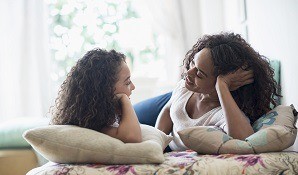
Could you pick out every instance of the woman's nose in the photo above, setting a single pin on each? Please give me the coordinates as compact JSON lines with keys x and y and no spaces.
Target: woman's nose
{"x":191,"y":71}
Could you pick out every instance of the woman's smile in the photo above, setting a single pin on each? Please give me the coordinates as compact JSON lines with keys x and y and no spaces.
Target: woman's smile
{"x":188,"y":82}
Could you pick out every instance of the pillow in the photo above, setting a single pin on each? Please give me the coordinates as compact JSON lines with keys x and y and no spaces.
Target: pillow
{"x":11,"y":131}
{"x":73,"y":144}
{"x":151,"y":133}
{"x":274,"y":131}
{"x":212,"y":140}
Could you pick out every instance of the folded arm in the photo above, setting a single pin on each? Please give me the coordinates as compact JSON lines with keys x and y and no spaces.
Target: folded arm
{"x":129,"y":130}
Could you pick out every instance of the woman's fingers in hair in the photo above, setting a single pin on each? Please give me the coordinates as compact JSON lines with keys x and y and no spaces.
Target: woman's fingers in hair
{"x":242,"y":82}
{"x":244,"y":74}
{"x":246,"y":77}
{"x":239,"y":78}
{"x":241,"y":72}
{"x":248,"y":81}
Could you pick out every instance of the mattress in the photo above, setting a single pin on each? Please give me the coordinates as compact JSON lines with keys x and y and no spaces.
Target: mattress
{"x":187,"y":162}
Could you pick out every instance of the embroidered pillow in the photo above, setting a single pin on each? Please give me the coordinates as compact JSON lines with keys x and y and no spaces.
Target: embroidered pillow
{"x":274,"y":131}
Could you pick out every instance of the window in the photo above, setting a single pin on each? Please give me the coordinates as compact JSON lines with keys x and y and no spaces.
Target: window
{"x":78,"y":26}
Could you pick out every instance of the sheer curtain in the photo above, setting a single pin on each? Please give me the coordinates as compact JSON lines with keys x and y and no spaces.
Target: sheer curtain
{"x":179,"y":22}
{"x":24,"y":59}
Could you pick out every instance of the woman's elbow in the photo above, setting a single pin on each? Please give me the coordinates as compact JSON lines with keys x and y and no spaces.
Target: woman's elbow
{"x":242,"y":136}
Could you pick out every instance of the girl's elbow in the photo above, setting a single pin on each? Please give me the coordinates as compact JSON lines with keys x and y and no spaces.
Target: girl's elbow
{"x":133,"y":138}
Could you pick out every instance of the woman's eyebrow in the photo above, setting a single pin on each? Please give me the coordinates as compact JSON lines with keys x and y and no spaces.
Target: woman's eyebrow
{"x":202,"y":72}
{"x":193,"y":62}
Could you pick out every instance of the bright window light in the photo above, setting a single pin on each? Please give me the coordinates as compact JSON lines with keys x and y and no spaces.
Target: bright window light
{"x":78,"y":26}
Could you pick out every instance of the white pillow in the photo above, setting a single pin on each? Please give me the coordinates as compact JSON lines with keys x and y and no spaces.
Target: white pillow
{"x":151,"y":133}
{"x":73,"y":144}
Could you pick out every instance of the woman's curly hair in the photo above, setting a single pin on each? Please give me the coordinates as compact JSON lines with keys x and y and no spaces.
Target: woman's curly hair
{"x":230,"y":52}
{"x":86,"y":97}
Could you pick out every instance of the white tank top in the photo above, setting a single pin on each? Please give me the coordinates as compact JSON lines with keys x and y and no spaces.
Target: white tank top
{"x":181,"y":120}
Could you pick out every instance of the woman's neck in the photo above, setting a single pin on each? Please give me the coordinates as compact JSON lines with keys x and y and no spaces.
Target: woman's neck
{"x":209,"y":99}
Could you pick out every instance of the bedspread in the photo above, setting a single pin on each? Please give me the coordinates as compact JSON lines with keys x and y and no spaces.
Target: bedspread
{"x":187,"y":162}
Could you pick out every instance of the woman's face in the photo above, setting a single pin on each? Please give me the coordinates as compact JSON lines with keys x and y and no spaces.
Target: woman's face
{"x":124,"y":84}
{"x":200,"y":76}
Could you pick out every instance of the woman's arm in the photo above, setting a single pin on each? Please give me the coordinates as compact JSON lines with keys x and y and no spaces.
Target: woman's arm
{"x":238,"y":125}
{"x":129,"y":130}
{"x":164,"y":122}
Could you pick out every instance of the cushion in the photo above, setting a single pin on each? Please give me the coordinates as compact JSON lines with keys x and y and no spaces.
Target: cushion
{"x":148,"y":110}
{"x":11,"y":131}
{"x":73,"y":144}
{"x":274,"y":131}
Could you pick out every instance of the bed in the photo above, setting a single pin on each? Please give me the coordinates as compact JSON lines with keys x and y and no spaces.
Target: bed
{"x":187,"y":162}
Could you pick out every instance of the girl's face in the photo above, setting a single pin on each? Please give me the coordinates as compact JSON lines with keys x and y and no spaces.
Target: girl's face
{"x":124,"y":84}
{"x":200,"y":76}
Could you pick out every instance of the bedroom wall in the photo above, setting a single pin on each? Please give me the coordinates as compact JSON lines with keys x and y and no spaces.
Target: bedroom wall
{"x":273,"y":29}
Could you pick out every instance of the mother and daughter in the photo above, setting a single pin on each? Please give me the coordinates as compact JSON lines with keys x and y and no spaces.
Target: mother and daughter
{"x":226,"y":84}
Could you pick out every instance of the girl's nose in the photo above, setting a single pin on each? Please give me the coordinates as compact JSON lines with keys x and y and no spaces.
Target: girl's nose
{"x":133,"y":86}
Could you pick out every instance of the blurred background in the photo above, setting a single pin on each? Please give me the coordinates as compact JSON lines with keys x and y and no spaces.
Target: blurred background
{"x":41,"y":40}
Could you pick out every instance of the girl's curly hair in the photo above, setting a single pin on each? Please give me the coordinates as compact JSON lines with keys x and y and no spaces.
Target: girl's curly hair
{"x":230,"y":52}
{"x":86,"y":97}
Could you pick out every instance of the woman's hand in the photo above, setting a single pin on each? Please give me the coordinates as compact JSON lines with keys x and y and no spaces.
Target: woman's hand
{"x":236,"y":79}
{"x":237,"y":123}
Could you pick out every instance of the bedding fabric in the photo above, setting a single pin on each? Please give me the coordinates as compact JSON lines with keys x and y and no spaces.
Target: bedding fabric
{"x":187,"y":162}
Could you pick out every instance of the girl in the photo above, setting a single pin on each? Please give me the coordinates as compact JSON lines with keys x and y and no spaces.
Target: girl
{"x":95,"y":95}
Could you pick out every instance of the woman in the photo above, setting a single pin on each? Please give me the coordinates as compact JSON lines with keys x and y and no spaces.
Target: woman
{"x":227,"y":84}
{"x":95,"y":95}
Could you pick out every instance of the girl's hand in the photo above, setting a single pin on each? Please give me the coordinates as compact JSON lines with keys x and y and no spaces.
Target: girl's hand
{"x":129,"y":130}
{"x":236,"y":79}
{"x":121,"y":96}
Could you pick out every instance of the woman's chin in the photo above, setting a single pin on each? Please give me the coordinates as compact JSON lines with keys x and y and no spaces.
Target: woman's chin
{"x":188,"y":87}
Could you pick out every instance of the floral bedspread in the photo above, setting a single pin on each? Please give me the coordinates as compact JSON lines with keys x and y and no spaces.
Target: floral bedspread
{"x":187,"y":162}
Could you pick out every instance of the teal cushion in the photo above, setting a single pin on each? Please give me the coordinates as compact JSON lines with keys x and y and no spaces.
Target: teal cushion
{"x":275,"y":64}
{"x":11,"y":131}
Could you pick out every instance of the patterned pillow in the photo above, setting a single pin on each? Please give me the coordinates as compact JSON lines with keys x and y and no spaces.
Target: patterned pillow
{"x":274,"y":131}
{"x":73,"y":144}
